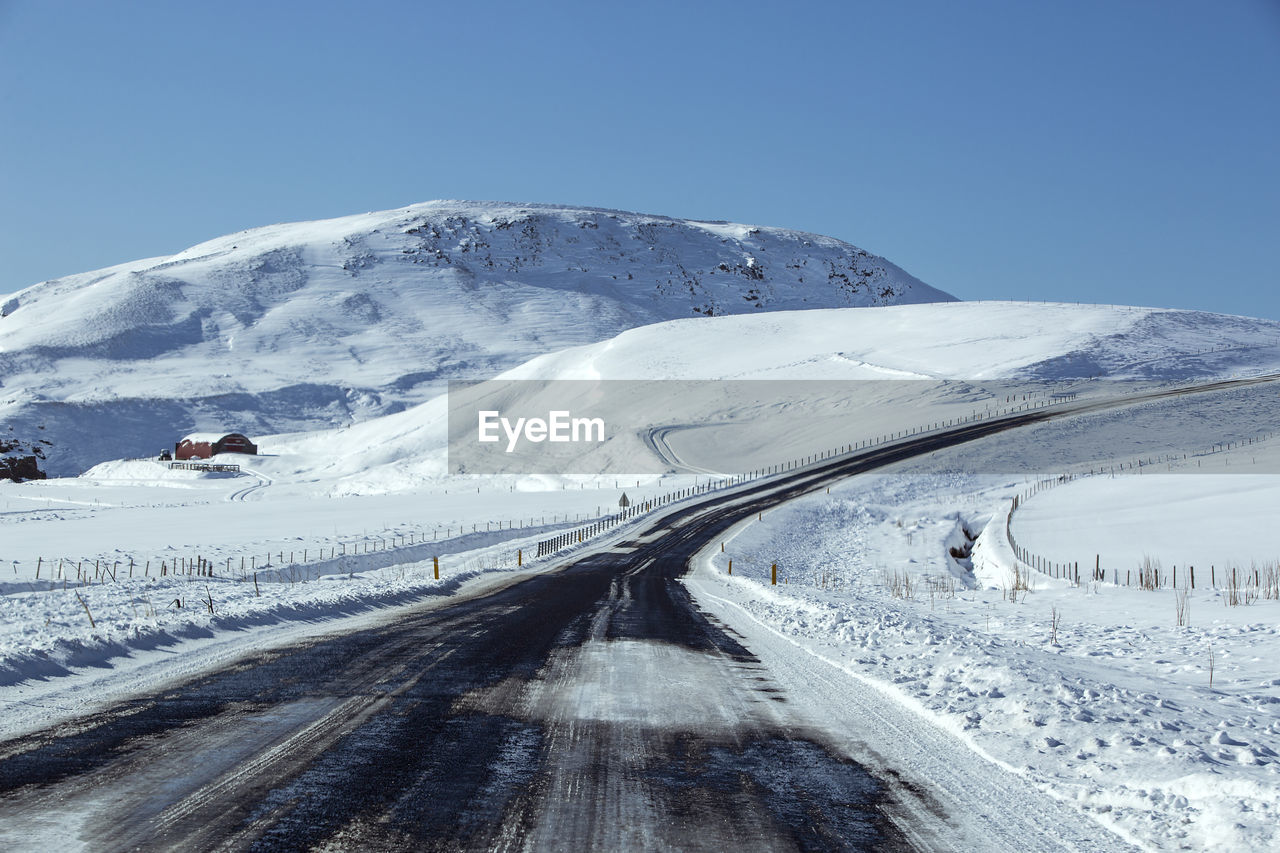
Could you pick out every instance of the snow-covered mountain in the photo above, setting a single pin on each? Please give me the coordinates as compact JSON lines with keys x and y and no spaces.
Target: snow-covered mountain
{"x":315,"y":324}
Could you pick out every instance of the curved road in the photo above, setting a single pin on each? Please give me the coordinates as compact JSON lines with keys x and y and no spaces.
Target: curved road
{"x":594,"y":707}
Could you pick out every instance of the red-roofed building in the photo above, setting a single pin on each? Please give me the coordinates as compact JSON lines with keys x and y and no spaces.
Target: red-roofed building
{"x":201,"y":445}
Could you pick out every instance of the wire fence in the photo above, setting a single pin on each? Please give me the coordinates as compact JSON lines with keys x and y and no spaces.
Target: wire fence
{"x":1246,"y":584}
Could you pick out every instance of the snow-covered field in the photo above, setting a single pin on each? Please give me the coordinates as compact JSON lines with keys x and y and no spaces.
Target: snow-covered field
{"x":1181,"y":522}
{"x":1094,"y":692}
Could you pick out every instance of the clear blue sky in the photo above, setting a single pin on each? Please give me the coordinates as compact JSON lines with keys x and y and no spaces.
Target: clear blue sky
{"x":1093,"y":150}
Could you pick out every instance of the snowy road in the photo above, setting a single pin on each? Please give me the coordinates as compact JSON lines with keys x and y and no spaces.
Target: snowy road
{"x":597,"y":707}
{"x":589,"y":708}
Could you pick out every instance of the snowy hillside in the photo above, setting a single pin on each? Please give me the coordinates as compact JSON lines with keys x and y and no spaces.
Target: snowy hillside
{"x":315,"y":324}
{"x":962,"y":340}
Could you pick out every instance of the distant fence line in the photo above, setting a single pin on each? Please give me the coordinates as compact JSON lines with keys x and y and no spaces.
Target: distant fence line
{"x":281,"y":564}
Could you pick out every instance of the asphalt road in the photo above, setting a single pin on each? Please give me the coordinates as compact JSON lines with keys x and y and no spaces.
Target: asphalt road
{"x":591,"y":708}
